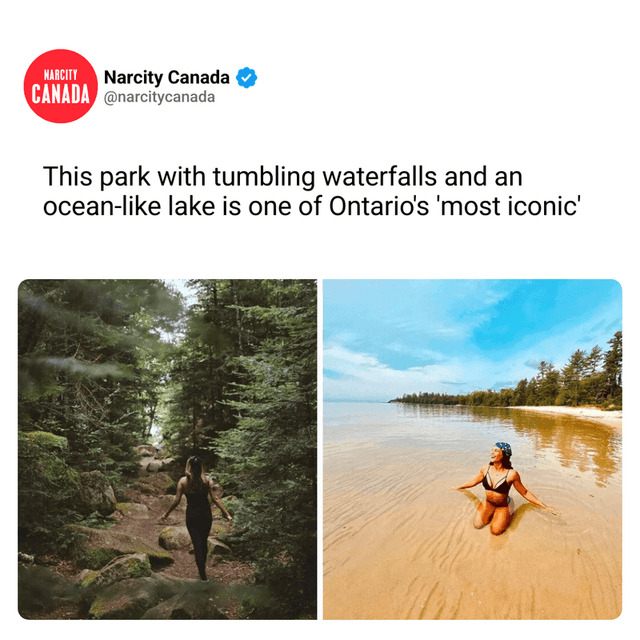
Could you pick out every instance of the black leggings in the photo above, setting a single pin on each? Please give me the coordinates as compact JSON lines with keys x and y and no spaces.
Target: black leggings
{"x":199,"y":526}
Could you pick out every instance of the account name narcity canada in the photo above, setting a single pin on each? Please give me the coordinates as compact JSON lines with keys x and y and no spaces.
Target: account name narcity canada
{"x":173,"y":77}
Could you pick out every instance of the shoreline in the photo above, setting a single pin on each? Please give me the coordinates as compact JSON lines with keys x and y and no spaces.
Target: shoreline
{"x":610,"y":418}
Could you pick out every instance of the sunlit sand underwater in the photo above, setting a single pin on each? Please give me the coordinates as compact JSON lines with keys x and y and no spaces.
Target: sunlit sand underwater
{"x":400,"y":544}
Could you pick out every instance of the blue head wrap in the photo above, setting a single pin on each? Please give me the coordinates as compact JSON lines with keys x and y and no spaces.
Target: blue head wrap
{"x":506,"y":448}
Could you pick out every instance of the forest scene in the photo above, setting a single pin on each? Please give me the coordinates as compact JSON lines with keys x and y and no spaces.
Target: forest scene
{"x":587,"y":379}
{"x":120,"y":383}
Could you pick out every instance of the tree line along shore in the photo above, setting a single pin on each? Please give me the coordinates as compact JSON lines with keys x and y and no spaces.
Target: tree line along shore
{"x":593,"y":379}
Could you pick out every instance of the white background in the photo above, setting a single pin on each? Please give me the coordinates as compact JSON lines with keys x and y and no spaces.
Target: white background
{"x":545,"y":88}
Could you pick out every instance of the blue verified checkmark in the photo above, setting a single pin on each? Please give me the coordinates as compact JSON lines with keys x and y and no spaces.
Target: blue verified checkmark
{"x":246,"y":77}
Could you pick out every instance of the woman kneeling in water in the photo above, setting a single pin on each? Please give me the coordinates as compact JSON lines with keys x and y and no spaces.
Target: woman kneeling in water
{"x":497,"y":477}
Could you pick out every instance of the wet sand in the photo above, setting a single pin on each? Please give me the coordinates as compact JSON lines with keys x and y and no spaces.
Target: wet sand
{"x":400,"y":544}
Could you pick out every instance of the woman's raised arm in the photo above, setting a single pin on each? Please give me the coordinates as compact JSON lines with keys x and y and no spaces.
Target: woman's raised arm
{"x":177,"y":499}
{"x":527,"y":495}
{"x":218,"y":502}
{"x":474,"y":482}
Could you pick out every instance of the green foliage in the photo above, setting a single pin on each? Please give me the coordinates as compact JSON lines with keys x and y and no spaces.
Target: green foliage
{"x":231,"y":505}
{"x":47,"y":488}
{"x":96,"y":520}
{"x":429,"y":398}
{"x":244,"y":398}
{"x":613,"y":368}
{"x":273,"y":450}
{"x":284,"y":578}
{"x":548,"y":383}
{"x":86,"y":362}
{"x":86,"y":354}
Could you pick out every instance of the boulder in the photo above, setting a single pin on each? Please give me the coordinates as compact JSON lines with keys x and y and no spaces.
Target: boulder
{"x":179,"y":538}
{"x":97,"y":547}
{"x":133,"y":510}
{"x":43,"y":440}
{"x":191,"y":605}
{"x":134,"y":565}
{"x":154,"y":466}
{"x":130,"y":598}
{"x":146,"y":450}
{"x":175,"y":538}
{"x":95,"y":494}
{"x":169,"y":464}
{"x":47,"y":484}
{"x":160,"y":483}
{"x":216,"y":548}
{"x":220,"y":527}
{"x":83,"y":574}
{"x":144,"y":463}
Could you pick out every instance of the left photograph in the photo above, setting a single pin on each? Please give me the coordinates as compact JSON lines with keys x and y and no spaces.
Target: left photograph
{"x":167,"y":449}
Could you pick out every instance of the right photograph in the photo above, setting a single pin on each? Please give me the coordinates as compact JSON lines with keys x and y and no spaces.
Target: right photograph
{"x":472,"y":437}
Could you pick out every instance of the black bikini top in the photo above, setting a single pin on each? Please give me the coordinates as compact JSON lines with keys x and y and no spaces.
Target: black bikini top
{"x":502,"y":486}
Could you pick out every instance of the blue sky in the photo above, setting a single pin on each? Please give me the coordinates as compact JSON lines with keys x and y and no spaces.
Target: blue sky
{"x":383,"y":338}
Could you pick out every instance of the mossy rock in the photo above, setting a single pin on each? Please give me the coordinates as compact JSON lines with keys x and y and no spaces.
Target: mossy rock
{"x":133,"y":510}
{"x":218,"y":528}
{"x":95,"y":494}
{"x":97,"y":547}
{"x":175,"y":538}
{"x":45,"y":452}
{"x":216,"y":548}
{"x":45,"y":440}
{"x":145,"y":488}
{"x":195,"y":605}
{"x":47,"y":486}
{"x":88,"y":578}
{"x":159,"y":483}
{"x":146,"y":450}
{"x":129,"y":599}
{"x":135,"y":565}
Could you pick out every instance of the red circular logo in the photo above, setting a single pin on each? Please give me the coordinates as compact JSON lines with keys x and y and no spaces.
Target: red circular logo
{"x":60,"y":86}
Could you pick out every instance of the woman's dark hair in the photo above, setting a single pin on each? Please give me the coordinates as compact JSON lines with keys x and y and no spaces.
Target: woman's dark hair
{"x":195,"y":474}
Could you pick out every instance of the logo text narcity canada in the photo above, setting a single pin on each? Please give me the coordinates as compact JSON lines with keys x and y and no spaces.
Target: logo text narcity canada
{"x":174,"y":77}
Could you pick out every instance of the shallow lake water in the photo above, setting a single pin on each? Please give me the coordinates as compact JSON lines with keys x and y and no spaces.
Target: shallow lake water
{"x":400,"y":544}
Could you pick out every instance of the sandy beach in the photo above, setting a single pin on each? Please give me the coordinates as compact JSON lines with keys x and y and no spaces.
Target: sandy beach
{"x":610,"y":418}
{"x":399,"y":544}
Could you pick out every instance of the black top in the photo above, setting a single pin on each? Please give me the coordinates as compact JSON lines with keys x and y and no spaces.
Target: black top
{"x":200,"y":499}
{"x":502,"y":486}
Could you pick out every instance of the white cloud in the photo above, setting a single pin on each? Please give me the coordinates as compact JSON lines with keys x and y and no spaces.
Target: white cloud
{"x":364,"y":377}
{"x":440,"y":325}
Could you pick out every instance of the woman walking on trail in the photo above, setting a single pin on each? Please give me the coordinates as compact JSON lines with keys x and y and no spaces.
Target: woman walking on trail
{"x":197,"y":486}
{"x":497,"y":477}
